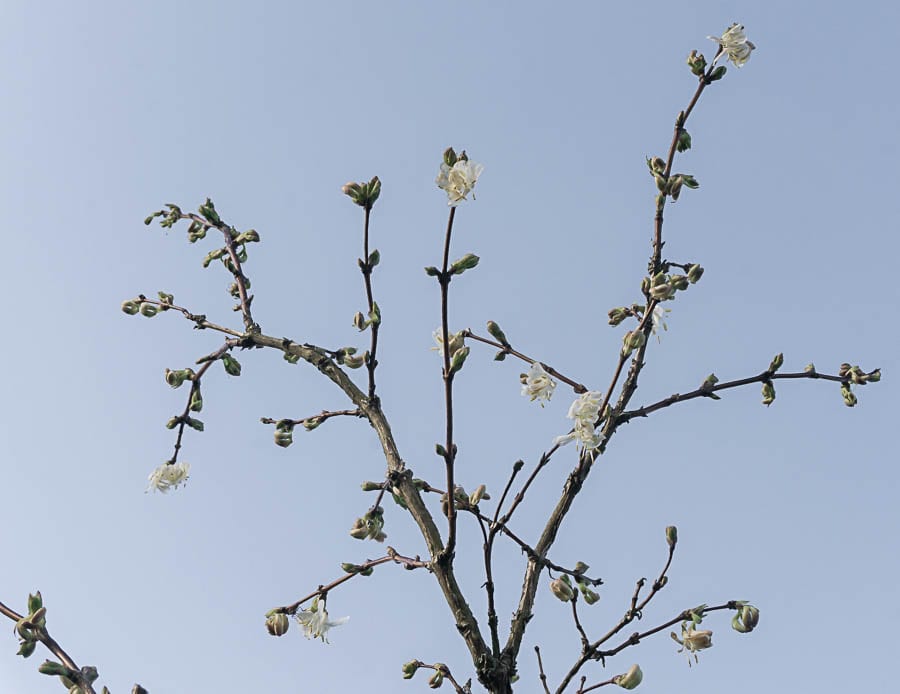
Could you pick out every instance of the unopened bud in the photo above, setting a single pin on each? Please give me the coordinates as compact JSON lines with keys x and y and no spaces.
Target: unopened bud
{"x":672,"y":536}
{"x":458,"y":359}
{"x":277,"y":624}
{"x":618,"y":314}
{"x":562,"y":589}
{"x":450,"y":157}
{"x":684,"y":141}
{"x":776,"y":363}
{"x":436,"y":680}
{"x":372,"y":486}
{"x":131,"y":307}
{"x":694,"y":273}
{"x":409,"y":669}
{"x":580,"y":568}
{"x":497,"y":333}
{"x":467,"y":262}
{"x":718,"y":73}
{"x":768,"y":393}
{"x":874,"y":376}
{"x":848,"y":395}
{"x":590,"y":596}
{"x":480,"y":493}
{"x":630,"y":679}
{"x":148,"y":310}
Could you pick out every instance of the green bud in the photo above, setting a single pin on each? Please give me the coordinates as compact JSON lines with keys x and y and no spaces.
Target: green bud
{"x":746,"y":618}
{"x":372,"y":486}
{"x":232,"y":366}
{"x":277,"y":624}
{"x":148,"y":310}
{"x":467,"y":262}
{"x":349,"y":568}
{"x":776,"y":362}
{"x":354,"y":362}
{"x":630,"y":679}
{"x":618,"y":314}
{"x":368,"y":571}
{"x":48,"y":667}
{"x":500,"y":356}
{"x":196,"y":400}
{"x":710,"y":381}
{"x":458,"y":359}
{"x":374,"y":258}
{"x":291,"y":358}
{"x":690,"y":181}
{"x":195,"y":424}
{"x":440,"y":450}
{"x":768,"y":393}
{"x":694,"y":273}
{"x":673,"y":186}
{"x":177,"y":378}
{"x":580,"y":568}
{"x":373,"y":190}
{"x":409,"y":669}
{"x":449,"y":156}
{"x":26,"y":648}
{"x":284,"y":433}
{"x":679,"y":282}
{"x":173,"y":422}
{"x":684,"y":141}
{"x":436,"y":680}
{"x":359,"y":321}
{"x":874,"y":376}
{"x":718,"y":73}
{"x":591,"y":597}
{"x":35,"y":602}
{"x":562,"y":588}
{"x":208,"y":210}
{"x":375,"y":314}
{"x":632,"y":340}
{"x":697,"y":63}
{"x":131,"y":307}
{"x":214,"y":255}
{"x":432,"y":271}
{"x":810,"y":368}
{"x":497,"y":333}
{"x":656,"y":165}
{"x":671,"y":536}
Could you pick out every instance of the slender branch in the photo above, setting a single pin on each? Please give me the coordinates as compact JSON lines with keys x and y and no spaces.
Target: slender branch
{"x":450,"y":449}
{"x":322,"y":591}
{"x":585,"y":642}
{"x":704,"y":391}
{"x":543,"y":675}
{"x":445,"y":671}
{"x":316,"y":419}
{"x":517,"y":468}
{"x":367,"y":267}
{"x":577,"y":387}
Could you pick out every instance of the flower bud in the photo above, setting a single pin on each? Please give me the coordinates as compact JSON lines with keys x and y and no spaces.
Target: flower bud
{"x":284,"y":433}
{"x":131,"y":307}
{"x":277,"y":624}
{"x":809,"y":368}
{"x":590,"y":596}
{"x":437,"y":679}
{"x":177,"y":378}
{"x":746,"y":619}
{"x":581,"y":568}
{"x":848,"y":395}
{"x":372,"y":486}
{"x":679,"y":282}
{"x":497,"y":333}
{"x":562,"y":589}
{"x":148,"y":310}
{"x":630,"y":679}
{"x":480,"y":493}
{"x":354,"y":362}
{"x":467,"y":262}
{"x":776,"y":363}
{"x":232,"y":365}
{"x":694,"y":273}
{"x":458,"y":359}
{"x":48,"y":667}
{"x":409,"y":669}
{"x":359,"y":321}
{"x":672,"y":536}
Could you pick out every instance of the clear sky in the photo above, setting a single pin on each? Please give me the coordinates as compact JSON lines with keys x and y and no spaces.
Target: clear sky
{"x":111,"y":109}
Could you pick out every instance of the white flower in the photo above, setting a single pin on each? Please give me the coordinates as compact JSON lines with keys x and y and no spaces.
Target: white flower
{"x":734,"y":43}
{"x":315,"y":621}
{"x":168,"y":476}
{"x":537,"y":384}
{"x":659,"y":319}
{"x":458,"y":180}
{"x":693,"y":640}
{"x":585,"y":411}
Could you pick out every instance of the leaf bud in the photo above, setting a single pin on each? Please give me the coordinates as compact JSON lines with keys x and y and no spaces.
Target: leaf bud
{"x":467,"y":262}
{"x":768,"y":393}
{"x":697,"y":63}
{"x":409,"y":669}
{"x":374,"y":258}
{"x":718,"y":73}
{"x":35,"y":602}
{"x":684,"y":141}
{"x":630,"y":679}
{"x":208,"y":210}
{"x":48,"y":667}
{"x":196,"y":400}
{"x":591,"y":597}
{"x":776,"y":362}
{"x":131,"y":307}
{"x":497,"y":333}
{"x":177,"y":378}
{"x":580,"y":568}
{"x":372,"y":486}
{"x":618,"y":314}
{"x":679,"y":282}
{"x":657,"y":165}
{"x":694,"y":273}
{"x":232,"y":366}
{"x":873,"y":376}
{"x":672,"y":536}
{"x":436,"y":680}
{"x":148,"y":310}
{"x":673,"y":187}
{"x":432,"y":271}
{"x":450,"y":157}
{"x":26,"y":648}
{"x":375,"y":314}
{"x":848,"y":395}
{"x":277,"y":624}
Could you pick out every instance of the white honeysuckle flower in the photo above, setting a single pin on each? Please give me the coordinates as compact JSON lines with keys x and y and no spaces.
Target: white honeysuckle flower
{"x":734,"y":44}
{"x":458,"y":180}
{"x":585,"y":411}
{"x":693,"y":640}
{"x":168,"y":476}
{"x":537,"y":383}
{"x":457,"y":341}
{"x":659,"y":319}
{"x":315,"y":621}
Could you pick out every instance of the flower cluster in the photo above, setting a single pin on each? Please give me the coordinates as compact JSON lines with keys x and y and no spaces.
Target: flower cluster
{"x":585,"y":411}
{"x":537,"y":384}
{"x":734,"y":44}
{"x":168,"y":476}
{"x":315,"y":621}
{"x":457,"y":177}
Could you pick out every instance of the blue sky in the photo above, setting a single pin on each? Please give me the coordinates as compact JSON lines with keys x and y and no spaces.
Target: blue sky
{"x":112,"y":109}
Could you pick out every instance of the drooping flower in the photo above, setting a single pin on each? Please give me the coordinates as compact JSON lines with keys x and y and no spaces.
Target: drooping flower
{"x":315,"y":621}
{"x":537,"y":384}
{"x":585,"y":411}
{"x":659,"y":319}
{"x":458,"y":180}
{"x":168,"y":476}
{"x":734,"y":44}
{"x":693,"y":640}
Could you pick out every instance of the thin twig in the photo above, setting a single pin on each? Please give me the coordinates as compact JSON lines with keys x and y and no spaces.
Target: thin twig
{"x":543,"y":675}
